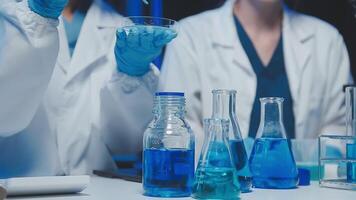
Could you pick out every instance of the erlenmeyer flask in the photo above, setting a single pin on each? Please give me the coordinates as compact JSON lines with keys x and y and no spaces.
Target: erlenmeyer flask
{"x":224,"y":107}
{"x":272,"y":163}
{"x":215,"y":177}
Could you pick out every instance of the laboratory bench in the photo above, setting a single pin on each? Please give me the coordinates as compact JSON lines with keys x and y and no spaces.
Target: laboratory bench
{"x":116,"y":189}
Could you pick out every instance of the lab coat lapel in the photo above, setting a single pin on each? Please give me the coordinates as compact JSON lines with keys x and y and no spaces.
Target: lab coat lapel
{"x":94,"y":42}
{"x":297,"y":54}
{"x":64,"y":54}
{"x":226,"y":38}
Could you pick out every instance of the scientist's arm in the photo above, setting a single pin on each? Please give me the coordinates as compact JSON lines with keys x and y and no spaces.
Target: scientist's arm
{"x":180,"y":72}
{"x":338,"y":75}
{"x":28,"y":53}
{"x":127,"y":99}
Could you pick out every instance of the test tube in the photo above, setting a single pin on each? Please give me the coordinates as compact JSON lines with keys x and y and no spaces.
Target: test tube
{"x":351,"y":131}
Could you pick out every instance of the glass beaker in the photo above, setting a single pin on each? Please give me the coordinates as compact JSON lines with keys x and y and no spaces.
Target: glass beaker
{"x":215,"y":177}
{"x":271,"y":162}
{"x":351,"y":131}
{"x":305,"y":152}
{"x":224,"y":107}
{"x":168,"y":157}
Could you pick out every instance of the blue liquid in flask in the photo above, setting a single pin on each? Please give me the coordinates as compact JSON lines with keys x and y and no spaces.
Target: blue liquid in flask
{"x":272,"y":164}
{"x":217,"y":178}
{"x":216,"y":183}
{"x":168,"y":173}
{"x":240,"y":161}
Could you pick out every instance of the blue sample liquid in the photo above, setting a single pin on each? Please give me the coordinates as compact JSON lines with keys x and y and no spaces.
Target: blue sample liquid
{"x":216,"y":183}
{"x":351,"y":166}
{"x":272,"y":164}
{"x":240,"y":161}
{"x":168,"y":173}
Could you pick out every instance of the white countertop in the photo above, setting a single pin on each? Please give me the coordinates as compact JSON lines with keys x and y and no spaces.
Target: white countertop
{"x":115,"y":189}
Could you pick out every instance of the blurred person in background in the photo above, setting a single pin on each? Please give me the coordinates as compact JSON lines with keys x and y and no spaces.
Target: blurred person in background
{"x":80,"y":122}
{"x":260,"y":48}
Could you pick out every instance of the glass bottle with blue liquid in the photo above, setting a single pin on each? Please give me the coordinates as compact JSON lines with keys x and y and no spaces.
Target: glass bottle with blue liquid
{"x":215,"y":177}
{"x":224,"y":107}
{"x":271,"y":162}
{"x":168,"y":157}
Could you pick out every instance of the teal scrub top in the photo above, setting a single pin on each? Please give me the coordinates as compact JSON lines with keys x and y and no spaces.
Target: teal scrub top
{"x":73,"y":28}
{"x":272,"y":81}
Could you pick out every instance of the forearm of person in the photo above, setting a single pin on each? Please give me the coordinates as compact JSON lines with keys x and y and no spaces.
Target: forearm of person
{"x":28,"y":54}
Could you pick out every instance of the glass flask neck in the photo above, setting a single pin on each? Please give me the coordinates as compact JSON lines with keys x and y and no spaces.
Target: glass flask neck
{"x":224,"y":104}
{"x":350,"y":111}
{"x":271,"y":125}
{"x":216,"y":130}
{"x":169,"y":105}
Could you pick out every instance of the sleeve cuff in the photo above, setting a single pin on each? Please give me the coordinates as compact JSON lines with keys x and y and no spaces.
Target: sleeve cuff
{"x":20,"y":14}
{"x":129,"y":84}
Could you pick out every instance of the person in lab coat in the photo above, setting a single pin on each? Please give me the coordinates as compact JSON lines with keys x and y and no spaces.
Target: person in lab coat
{"x":24,"y":51}
{"x":81,"y":121}
{"x":260,"y":48}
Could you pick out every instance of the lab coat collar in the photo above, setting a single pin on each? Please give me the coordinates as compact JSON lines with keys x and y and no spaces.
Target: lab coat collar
{"x":95,"y":40}
{"x":228,"y":28}
{"x":227,"y":36}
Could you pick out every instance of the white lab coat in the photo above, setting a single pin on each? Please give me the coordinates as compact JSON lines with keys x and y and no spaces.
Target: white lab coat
{"x":208,"y":55}
{"x":81,"y":122}
{"x":27,"y":46}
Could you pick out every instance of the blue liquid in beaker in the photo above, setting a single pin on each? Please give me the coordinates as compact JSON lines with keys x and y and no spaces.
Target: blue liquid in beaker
{"x":240,"y":161}
{"x":168,"y":173}
{"x":215,"y":183}
{"x":272,"y":164}
{"x":351,"y":166}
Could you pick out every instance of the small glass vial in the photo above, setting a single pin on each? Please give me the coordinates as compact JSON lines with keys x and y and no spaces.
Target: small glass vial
{"x":168,"y":149}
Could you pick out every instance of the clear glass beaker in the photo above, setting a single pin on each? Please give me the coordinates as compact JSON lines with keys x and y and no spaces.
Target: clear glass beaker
{"x":271,"y":162}
{"x":337,"y":169}
{"x":168,"y":157}
{"x":224,"y":107}
{"x":351,"y":131}
{"x":305,"y":152}
{"x":215,"y":177}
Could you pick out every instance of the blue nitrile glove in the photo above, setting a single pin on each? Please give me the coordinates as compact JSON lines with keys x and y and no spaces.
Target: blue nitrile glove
{"x":48,"y":8}
{"x":137,"y":46}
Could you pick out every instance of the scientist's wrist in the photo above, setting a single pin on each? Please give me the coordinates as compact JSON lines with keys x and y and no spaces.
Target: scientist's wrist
{"x":40,"y":8}
{"x":132,"y":70}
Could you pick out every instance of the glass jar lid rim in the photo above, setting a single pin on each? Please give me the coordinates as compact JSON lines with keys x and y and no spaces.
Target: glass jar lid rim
{"x":272,"y":99}
{"x":224,"y":91}
{"x":178,"y":94}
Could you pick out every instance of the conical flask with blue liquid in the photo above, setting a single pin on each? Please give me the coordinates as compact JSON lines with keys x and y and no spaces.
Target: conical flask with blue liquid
{"x":271,"y":162}
{"x":215,"y":177}
{"x":224,"y":107}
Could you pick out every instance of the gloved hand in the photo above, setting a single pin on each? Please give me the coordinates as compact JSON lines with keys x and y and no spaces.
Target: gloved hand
{"x":48,"y":8}
{"x":137,"y":46}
